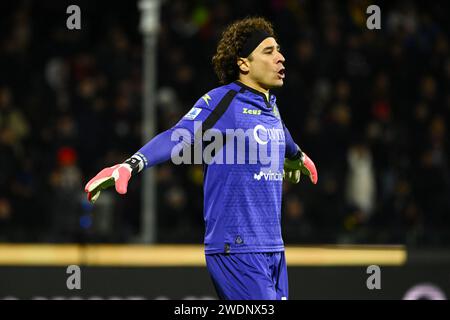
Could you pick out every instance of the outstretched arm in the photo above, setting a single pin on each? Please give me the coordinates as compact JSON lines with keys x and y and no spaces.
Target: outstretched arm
{"x":157,"y":150}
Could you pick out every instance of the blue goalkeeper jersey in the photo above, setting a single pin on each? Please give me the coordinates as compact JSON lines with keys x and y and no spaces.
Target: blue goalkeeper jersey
{"x":243,"y":181}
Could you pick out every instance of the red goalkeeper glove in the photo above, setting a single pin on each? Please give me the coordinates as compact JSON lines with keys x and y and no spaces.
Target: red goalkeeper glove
{"x":118,"y":175}
{"x":300,"y":164}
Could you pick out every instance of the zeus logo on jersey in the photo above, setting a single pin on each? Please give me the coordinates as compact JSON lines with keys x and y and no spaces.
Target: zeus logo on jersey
{"x":251,"y":111}
{"x":193,"y":113}
{"x":262,"y":135}
{"x":268,"y":176}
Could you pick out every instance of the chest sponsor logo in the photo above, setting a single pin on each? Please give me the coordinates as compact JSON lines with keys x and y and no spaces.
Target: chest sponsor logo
{"x":262,"y":135}
{"x":268,"y":176}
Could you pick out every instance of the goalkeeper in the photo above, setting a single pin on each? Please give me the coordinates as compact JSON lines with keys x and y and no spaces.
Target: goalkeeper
{"x":242,"y":202}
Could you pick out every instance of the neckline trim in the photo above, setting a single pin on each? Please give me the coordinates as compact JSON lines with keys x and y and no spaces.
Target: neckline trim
{"x":259,"y":93}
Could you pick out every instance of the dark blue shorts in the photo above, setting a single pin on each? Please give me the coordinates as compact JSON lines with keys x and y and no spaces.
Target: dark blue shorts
{"x":249,"y":276}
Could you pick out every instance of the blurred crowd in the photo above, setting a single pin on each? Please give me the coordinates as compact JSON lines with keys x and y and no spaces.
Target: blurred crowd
{"x":371,"y":107}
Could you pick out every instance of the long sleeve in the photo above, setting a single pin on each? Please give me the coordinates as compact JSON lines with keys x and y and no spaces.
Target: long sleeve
{"x":172,"y":143}
{"x":159,"y":149}
{"x":292,"y":149}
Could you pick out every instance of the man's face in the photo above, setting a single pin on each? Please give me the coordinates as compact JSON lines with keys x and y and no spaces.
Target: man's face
{"x":265,"y":64}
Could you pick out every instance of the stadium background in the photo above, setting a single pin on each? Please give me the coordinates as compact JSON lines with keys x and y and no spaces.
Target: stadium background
{"x":371,"y":107}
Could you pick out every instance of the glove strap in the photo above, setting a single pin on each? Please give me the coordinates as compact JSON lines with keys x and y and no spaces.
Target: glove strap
{"x":136,"y":164}
{"x":299,"y":155}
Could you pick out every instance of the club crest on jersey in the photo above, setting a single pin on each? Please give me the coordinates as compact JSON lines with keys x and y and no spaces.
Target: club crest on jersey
{"x":275,"y":111}
{"x":193,"y":113}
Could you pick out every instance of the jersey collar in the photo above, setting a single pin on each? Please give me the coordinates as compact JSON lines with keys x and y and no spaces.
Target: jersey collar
{"x":259,"y":93}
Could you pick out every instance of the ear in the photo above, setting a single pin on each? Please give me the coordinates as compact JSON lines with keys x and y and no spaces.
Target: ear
{"x":243,"y":64}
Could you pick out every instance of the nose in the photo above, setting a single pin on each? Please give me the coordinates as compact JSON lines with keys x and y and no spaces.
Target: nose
{"x":280,"y":58}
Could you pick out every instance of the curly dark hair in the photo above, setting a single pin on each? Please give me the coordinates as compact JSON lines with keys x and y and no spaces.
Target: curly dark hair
{"x":233,"y":38}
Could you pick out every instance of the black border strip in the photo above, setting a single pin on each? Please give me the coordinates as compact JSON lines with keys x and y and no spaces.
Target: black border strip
{"x":219,"y":110}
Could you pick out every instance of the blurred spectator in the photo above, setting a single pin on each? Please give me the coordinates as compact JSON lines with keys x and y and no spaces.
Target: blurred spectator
{"x":65,"y":182}
{"x":295,"y":224}
{"x":13,"y":123}
{"x":5,"y":219}
{"x":70,"y":103}
{"x":360,"y":184}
